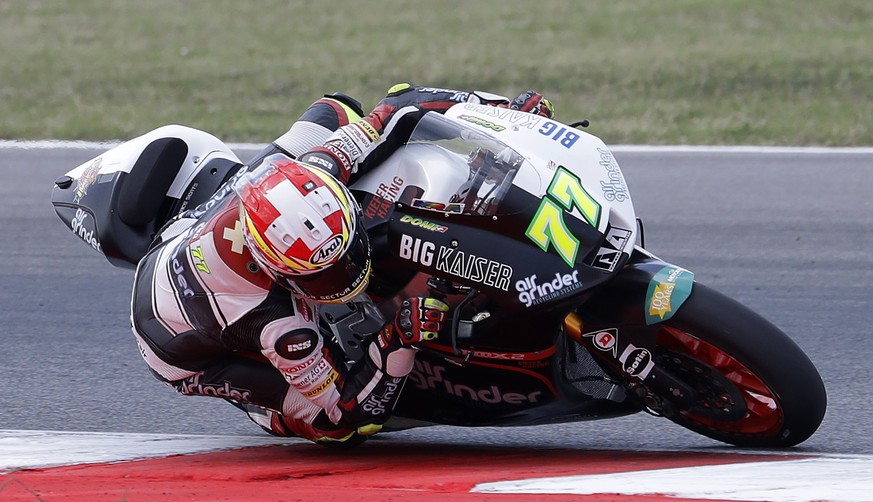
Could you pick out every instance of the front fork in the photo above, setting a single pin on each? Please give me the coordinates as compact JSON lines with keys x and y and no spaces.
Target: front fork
{"x":634,"y":368}
{"x":619,"y":326}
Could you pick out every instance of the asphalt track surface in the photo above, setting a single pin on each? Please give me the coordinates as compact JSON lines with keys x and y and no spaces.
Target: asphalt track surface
{"x":786,"y":232}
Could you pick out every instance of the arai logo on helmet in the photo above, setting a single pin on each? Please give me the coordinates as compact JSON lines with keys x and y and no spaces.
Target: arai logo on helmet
{"x":328,"y":251}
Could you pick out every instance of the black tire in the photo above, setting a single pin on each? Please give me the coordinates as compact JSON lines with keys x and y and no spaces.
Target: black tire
{"x":797,"y":399}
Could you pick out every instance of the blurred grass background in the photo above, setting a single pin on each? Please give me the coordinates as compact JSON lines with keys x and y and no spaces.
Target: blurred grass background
{"x":755,"y":72}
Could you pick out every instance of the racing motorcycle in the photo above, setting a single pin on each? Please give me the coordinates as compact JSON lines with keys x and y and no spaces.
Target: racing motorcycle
{"x":525,"y":226}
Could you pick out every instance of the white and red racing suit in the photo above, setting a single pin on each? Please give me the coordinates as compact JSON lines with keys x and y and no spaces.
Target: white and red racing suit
{"x":201,"y":307}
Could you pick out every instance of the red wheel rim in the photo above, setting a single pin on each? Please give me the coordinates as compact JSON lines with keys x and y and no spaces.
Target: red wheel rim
{"x":764,"y":413}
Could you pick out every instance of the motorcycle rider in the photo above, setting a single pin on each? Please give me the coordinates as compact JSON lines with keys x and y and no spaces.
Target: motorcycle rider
{"x":246,"y":272}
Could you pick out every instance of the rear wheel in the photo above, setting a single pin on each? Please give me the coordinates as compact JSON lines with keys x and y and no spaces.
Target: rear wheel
{"x":753,"y":385}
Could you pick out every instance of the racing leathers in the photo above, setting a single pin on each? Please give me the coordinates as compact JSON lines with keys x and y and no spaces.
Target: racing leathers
{"x":201,"y":303}
{"x":201,"y":306}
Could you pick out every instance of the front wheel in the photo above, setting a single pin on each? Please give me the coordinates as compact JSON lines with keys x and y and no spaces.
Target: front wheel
{"x":753,"y":386}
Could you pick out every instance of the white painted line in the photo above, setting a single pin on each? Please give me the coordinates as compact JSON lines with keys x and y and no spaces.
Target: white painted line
{"x":35,"y":449}
{"x":801,"y":150}
{"x":817,"y":150}
{"x":50,"y":144}
{"x":57,"y":145}
{"x":836,"y":479}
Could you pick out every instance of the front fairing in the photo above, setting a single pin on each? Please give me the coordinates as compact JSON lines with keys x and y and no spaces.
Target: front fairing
{"x":531,"y":219}
{"x":551,"y":147}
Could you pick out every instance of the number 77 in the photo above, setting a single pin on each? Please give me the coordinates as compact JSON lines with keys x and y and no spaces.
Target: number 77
{"x":548,"y":224}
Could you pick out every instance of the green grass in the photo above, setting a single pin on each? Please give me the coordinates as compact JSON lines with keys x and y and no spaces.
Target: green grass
{"x":766,"y":72}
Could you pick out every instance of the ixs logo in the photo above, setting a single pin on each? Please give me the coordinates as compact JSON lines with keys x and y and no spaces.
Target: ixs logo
{"x":667,"y":290}
{"x":85,"y":230}
{"x":452,"y":261}
{"x":293,"y":347}
{"x":427,"y":376}
{"x":533,"y":292}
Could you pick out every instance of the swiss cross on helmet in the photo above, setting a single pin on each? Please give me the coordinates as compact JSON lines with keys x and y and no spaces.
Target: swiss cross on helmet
{"x":302,"y":227}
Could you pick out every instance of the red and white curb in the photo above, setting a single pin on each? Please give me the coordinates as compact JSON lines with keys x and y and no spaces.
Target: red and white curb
{"x":46,"y":466}
{"x":819,"y":479}
{"x":39,"y":449}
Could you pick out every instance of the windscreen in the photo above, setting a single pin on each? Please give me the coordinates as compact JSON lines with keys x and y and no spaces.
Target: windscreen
{"x":490,"y":165}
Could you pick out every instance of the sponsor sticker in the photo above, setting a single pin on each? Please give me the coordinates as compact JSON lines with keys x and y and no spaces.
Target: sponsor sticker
{"x":614,"y":188}
{"x":463,"y":264}
{"x":182,"y":285}
{"x":667,"y":290}
{"x":89,"y":176}
{"x":379,"y":404}
{"x":481,"y":122}
{"x":532,"y":291}
{"x":637,"y":361}
{"x":327,"y":251}
{"x":422,"y":223}
{"x":427,"y":376}
{"x":85,"y":229}
{"x":516,"y":118}
{"x":608,"y":255}
{"x":446,"y":207}
{"x":383,"y":199}
{"x":564,"y":136}
{"x":320,"y":162}
{"x":605,"y":340}
{"x":323,"y":386}
{"x":457,"y":96}
{"x":192,"y":386}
